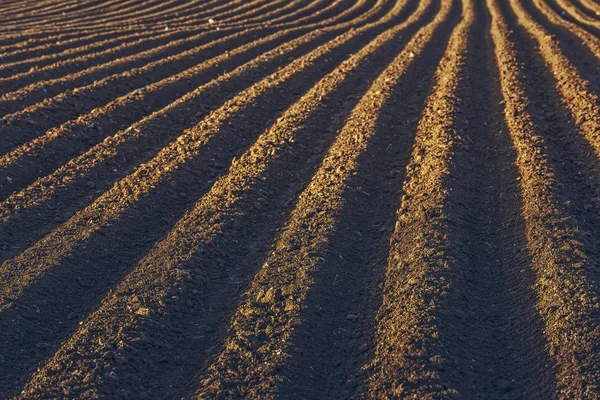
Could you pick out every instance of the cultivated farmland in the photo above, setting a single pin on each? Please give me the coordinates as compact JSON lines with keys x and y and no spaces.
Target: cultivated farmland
{"x":308,"y":199}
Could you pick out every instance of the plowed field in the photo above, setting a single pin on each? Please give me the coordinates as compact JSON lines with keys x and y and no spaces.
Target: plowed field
{"x":308,"y":199}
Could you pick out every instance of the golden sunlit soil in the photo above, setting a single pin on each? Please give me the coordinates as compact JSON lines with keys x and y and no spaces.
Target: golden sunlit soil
{"x":308,"y":199}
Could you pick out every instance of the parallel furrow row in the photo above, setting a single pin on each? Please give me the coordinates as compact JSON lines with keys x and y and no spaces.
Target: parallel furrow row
{"x":300,"y":199}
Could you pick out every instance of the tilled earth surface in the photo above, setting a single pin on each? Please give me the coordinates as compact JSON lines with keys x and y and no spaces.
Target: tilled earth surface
{"x":308,"y":199}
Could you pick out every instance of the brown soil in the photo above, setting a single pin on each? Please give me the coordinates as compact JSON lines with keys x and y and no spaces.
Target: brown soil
{"x":312,"y":199}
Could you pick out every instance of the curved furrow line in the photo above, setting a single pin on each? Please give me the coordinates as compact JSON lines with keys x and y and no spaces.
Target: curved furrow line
{"x":33,"y":44}
{"x":95,"y":59}
{"x":24,"y":54}
{"x":121,"y":31}
{"x":567,"y":300}
{"x":575,"y":92}
{"x":104,"y":59}
{"x":16,"y":5}
{"x":335,"y":337}
{"x":42,"y":7}
{"x":112,"y":47}
{"x":573,"y":159}
{"x":50,"y":103}
{"x":31,"y":92}
{"x":45,"y":87}
{"x":9,"y":54}
{"x":590,"y":7}
{"x":304,"y":13}
{"x":457,"y":318}
{"x":265,"y":151}
{"x":262,"y":327}
{"x":148,"y":17}
{"x":63,"y":102}
{"x":163,"y":9}
{"x":257,"y":15}
{"x":20,"y":40}
{"x":188,"y":17}
{"x":331,"y":10}
{"x":315,"y":99}
{"x":226,"y":13}
{"x":188,"y":21}
{"x":88,"y":54}
{"x":563,"y":21}
{"x":579,"y":16}
{"x":31,"y":87}
{"x":37,"y":114}
{"x":25,"y":7}
{"x":130,"y":14}
{"x":490,"y":327}
{"x":43,"y":11}
{"x":37,"y":35}
{"x":105,"y":8}
{"x":281,"y":9}
{"x":13,"y":12}
{"x":26,"y":61}
{"x":576,"y":51}
{"x":85,"y":128}
{"x":11,"y":6}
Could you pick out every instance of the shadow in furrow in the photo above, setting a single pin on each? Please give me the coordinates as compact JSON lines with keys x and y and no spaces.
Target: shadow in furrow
{"x":587,"y":64}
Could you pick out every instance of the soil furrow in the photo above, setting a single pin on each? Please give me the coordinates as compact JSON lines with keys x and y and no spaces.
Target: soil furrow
{"x":48,"y":13}
{"x":75,"y":46}
{"x":58,"y":42}
{"x":144,"y":17}
{"x":33,"y":121}
{"x":575,"y":15}
{"x":123,"y":8}
{"x":27,"y":62}
{"x":565,"y":131}
{"x":582,"y":47}
{"x":94,"y":58}
{"x":25,"y":89}
{"x":82,"y":41}
{"x":133,"y":14}
{"x":590,"y":7}
{"x":67,"y":67}
{"x":580,"y":96}
{"x":81,"y":65}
